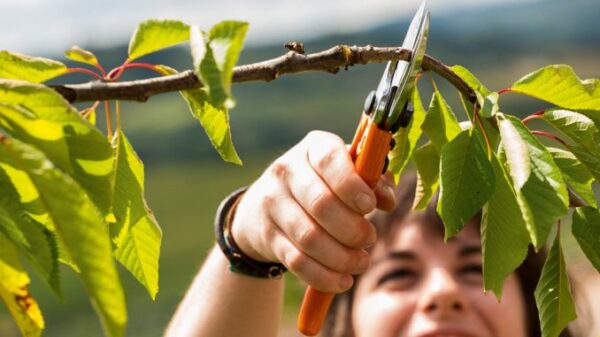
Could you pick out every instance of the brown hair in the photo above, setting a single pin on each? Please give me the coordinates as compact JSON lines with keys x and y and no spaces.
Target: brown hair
{"x":339,"y":324}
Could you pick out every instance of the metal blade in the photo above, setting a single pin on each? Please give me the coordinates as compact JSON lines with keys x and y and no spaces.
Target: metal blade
{"x":404,"y":76}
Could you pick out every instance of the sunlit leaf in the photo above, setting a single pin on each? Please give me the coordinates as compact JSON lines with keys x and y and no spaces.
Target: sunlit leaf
{"x":14,"y":291}
{"x":575,"y":174}
{"x":39,"y":116}
{"x":406,"y":138}
{"x":215,"y":122}
{"x":81,"y":55}
{"x":136,"y":233}
{"x":207,"y":69}
{"x":28,"y":68}
{"x":480,"y":90}
{"x":553,"y":293}
{"x":226,"y":42}
{"x":79,"y":225}
{"x":153,"y":35}
{"x":504,"y":234}
{"x":466,"y":181}
{"x":427,"y":160}
{"x":559,"y":85}
{"x":38,"y":244}
{"x":590,"y":158}
{"x":578,"y":127}
{"x":490,"y":105}
{"x":542,"y":195}
{"x":440,"y":123}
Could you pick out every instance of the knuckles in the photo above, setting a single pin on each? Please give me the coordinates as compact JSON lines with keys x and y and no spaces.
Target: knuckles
{"x":307,"y":237}
{"x":321,"y":203}
{"x":361,"y":234}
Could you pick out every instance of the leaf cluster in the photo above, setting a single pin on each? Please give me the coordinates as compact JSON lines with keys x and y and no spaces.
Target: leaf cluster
{"x":494,"y":163}
{"x":74,"y":195}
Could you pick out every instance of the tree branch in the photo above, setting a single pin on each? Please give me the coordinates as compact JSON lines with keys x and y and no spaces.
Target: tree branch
{"x":330,"y":60}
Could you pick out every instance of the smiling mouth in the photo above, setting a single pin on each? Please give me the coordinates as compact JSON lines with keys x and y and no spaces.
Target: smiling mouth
{"x":447,"y":333}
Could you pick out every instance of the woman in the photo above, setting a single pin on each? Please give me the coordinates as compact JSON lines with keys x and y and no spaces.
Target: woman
{"x":307,"y":211}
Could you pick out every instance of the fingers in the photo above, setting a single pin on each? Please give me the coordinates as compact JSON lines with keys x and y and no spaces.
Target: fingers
{"x":308,"y":237}
{"x":341,"y":222}
{"x":384,"y":192}
{"x":328,"y":156}
{"x":307,"y":269}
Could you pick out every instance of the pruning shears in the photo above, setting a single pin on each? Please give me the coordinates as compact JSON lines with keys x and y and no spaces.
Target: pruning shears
{"x":386,"y":110}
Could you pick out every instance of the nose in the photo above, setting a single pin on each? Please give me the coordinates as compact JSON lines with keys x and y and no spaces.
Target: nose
{"x":442,"y":296}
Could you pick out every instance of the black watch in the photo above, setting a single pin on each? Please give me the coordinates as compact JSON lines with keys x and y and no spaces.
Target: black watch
{"x":240,"y":262}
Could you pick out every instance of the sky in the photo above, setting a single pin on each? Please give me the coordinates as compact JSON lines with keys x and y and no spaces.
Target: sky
{"x":46,"y":27}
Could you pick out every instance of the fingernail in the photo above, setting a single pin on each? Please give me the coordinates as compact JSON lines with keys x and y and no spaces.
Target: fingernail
{"x":346,"y":281}
{"x":390,"y":191}
{"x":364,"y":202}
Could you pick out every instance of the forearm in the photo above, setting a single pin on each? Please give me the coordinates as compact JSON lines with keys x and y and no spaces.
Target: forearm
{"x":221,"y":303}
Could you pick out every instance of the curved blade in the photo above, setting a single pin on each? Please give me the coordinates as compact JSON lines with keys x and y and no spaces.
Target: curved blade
{"x":404,"y":75}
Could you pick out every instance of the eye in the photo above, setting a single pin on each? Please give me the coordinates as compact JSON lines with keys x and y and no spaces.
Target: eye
{"x":472,"y":273}
{"x":402,"y":277}
{"x":472,"y":269}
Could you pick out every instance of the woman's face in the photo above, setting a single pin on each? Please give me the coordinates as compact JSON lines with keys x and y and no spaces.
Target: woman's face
{"x":420,"y":287}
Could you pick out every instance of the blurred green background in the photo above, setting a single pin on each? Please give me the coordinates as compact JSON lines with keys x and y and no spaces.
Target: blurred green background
{"x":186,"y":179}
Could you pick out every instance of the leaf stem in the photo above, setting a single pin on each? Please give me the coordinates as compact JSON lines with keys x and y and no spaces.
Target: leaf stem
{"x":504,"y":91}
{"x":118,"y":114}
{"x":116,"y":73}
{"x":488,"y":143}
{"x":109,"y":131}
{"x":101,"y":69}
{"x":549,"y":135}
{"x":534,"y":115}
{"x":83,"y":71}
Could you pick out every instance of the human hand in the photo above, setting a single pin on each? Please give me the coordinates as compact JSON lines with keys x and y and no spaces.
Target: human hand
{"x":307,"y":211}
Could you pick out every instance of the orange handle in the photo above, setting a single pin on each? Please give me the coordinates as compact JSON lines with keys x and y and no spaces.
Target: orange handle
{"x":368,"y":150}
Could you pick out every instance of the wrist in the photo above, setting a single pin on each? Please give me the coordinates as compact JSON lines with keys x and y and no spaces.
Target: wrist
{"x":240,"y":262}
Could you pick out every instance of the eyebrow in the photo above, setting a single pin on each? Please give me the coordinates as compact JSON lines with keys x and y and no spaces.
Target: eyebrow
{"x":468,"y":250}
{"x":398,"y":255}
{"x":408,"y":255}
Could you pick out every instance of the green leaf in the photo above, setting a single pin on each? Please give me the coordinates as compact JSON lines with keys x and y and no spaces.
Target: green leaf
{"x":586,"y":229}
{"x":542,"y":194}
{"x":79,"y":225}
{"x":81,"y":55}
{"x":466,"y":181}
{"x":14,"y":291}
{"x":32,"y":69}
{"x":38,"y":244}
{"x":490,"y":105}
{"x":578,"y":127}
{"x":480,"y":90}
{"x":516,"y":151}
{"x":440,"y":123}
{"x":136,"y":233}
{"x":427,"y":160}
{"x":575,"y":174}
{"x":406,"y":138}
{"x":559,"y":85}
{"x":553,"y":293}
{"x":40,"y":116}
{"x":153,"y":35}
{"x":215,"y":122}
{"x":226,"y":42}
{"x":207,"y":69}
{"x":504,"y":234}
{"x":590,"y":158}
